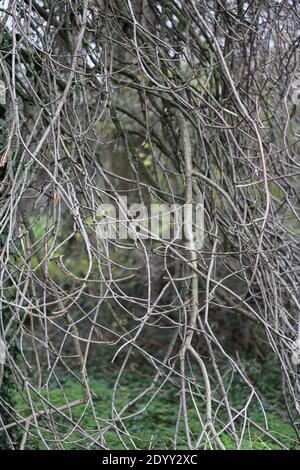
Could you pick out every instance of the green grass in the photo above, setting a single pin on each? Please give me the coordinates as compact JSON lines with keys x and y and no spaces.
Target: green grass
{"x":154,"y":428}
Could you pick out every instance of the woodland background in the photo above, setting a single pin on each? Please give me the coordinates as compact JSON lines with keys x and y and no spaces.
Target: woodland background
{"x":149,"y":344}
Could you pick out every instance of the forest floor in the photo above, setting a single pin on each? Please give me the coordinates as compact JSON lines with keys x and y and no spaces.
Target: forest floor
{"x":154,"y":428}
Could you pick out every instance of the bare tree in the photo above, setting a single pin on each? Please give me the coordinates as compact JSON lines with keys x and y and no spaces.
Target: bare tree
{"x":186,"y":103}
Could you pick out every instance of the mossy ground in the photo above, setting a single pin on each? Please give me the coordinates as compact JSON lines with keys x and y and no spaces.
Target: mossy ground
{"x":154,"y":428}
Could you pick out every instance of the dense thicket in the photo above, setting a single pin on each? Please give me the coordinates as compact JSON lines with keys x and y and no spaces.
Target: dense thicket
{"x":174,"y":102}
